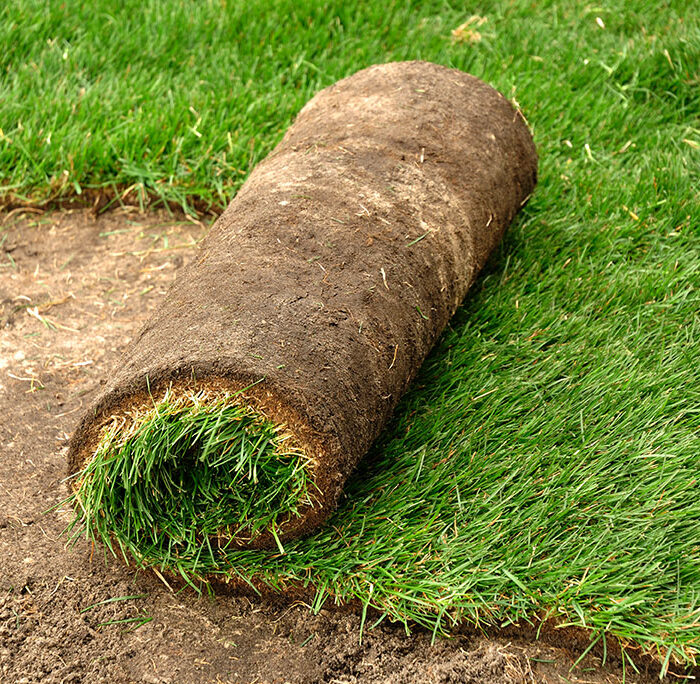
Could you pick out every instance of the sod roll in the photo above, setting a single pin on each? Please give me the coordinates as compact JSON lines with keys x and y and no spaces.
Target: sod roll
{"x":280,"y":351}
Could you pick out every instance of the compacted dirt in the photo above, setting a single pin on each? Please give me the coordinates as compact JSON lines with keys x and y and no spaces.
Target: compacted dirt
{"x":74,"y":290}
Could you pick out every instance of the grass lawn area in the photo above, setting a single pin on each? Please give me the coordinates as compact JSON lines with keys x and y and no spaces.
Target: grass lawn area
{"x":546,"y":462}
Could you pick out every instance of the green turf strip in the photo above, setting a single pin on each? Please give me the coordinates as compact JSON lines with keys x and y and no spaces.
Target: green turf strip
{"x":178,"y":484}
{"x":546,"y":459}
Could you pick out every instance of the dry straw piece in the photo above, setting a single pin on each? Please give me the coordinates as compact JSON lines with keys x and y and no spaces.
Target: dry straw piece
{"x":313,"y":302}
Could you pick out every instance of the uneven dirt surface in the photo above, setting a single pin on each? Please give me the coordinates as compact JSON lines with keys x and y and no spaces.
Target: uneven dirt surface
{"x":74,"y":289}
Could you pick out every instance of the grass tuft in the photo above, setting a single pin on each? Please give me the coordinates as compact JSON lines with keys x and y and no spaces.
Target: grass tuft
{"x":191,"y":476}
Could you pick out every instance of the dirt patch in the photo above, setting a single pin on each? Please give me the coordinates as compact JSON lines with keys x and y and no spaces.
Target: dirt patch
{"x":74,"y":290}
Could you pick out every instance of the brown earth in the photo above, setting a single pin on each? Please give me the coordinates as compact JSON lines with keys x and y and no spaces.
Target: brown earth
{"x":74,"y":290}
{"x":329,"y":277}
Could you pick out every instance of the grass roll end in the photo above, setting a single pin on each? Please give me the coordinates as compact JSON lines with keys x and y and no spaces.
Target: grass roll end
{"x":177,"y":483}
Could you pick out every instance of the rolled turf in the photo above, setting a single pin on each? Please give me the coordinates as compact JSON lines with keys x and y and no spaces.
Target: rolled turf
{"x":280,"y":352}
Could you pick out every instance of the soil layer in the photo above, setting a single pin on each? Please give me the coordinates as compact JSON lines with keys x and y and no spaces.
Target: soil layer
{"x":330,"y":276}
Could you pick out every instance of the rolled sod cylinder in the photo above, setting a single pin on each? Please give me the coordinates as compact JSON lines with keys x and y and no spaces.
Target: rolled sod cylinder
{"x":279,"y":353}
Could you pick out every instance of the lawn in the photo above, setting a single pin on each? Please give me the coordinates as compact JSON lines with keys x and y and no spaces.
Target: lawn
{"x":546,"y":461}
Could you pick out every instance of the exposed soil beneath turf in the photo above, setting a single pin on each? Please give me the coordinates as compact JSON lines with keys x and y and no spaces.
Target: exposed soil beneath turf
{"x":73,"y":292}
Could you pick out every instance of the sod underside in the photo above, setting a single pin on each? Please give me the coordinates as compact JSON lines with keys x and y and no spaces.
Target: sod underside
{"x":314,"y":300}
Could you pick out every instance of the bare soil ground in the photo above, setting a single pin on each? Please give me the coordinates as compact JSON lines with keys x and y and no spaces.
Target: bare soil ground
{"x":74,"y":289}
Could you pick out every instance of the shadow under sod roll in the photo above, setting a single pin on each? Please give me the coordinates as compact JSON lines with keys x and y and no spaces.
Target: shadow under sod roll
{"x":280,"y":351}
